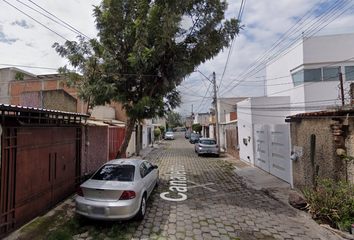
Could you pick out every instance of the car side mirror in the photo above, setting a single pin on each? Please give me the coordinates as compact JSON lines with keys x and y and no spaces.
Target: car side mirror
{"x":155,"y":166}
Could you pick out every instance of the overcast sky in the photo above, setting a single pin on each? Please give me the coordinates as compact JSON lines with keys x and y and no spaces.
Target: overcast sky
{"x":24,"y":42}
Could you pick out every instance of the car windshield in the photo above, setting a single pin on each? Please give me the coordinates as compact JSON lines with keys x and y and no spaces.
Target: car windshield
{"x":208,"y":142}
{"x":113,"y":172}
{"x":169,"y":133}
{"x":195,"y":135}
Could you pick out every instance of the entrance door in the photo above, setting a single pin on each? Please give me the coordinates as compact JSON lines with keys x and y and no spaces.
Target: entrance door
{"x":279,"y":151}
{"x":261,"y":147}
{"x":272,"y":150}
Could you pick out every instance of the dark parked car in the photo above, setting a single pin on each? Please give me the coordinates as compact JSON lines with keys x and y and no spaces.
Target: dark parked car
{"x":187,"y":134}
{"x":194,"y":137}
{"x":183,"y":129}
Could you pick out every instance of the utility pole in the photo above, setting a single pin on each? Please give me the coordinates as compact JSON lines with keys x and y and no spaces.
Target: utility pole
{"x":341,"y":88}
{"x":216,"y":114}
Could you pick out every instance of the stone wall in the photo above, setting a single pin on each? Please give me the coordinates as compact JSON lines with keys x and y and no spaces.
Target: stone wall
{"x":326,"y":157}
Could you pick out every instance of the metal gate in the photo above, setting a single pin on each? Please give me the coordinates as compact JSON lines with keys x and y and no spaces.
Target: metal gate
{"x":40,"y":167}
{"x":232,"y":142}
{"x":116,"y":137}
{"x":272,"y":150}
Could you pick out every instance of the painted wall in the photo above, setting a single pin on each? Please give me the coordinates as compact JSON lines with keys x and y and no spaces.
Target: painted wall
{"x":245,"y":129}
{"x":227,"y":105}
{"x":258,"y":110}
{"x":103,"y":112}
{"x":131,"y":149}
{"x":310,"y":53}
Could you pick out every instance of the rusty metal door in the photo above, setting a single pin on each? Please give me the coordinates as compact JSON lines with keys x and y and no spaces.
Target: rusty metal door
{"x":41,"y":165}
{"x":116,"y":137}
{"x":8,"y":165}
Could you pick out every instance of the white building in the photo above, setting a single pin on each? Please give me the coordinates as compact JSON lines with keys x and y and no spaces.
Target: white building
{"x":309,"y":73}
{"x":302,"y":78}
{"x":226,"y":106}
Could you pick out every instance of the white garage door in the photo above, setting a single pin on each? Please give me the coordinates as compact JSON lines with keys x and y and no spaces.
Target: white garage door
{"x":272,"y":151}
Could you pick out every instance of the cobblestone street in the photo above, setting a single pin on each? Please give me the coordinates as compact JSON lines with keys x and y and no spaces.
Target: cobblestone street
{"x":218,"y":205}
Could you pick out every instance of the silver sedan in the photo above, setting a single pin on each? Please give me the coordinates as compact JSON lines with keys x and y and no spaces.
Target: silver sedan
{"x":169,"y":135}
{"x":206,"y":146}
{"x":118,"y":190}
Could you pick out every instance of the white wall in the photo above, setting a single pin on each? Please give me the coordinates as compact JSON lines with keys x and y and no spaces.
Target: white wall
{"x":244,"y":121}
{"x":258,"y":110}
{"x":330,"y":48}
{"x":225,"y":106}
{"x":103,"y":112}
{"x":310,"y":53}
{"x":131,"y":146}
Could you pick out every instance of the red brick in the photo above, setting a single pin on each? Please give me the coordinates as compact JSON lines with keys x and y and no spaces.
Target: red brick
{"x":15,"y":101}
{"x":33,"y":86}
{"x":51,"y":85}
{"x":17,"y":88}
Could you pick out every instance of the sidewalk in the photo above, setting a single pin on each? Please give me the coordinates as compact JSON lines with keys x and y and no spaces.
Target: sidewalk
{"x":280,"y":190}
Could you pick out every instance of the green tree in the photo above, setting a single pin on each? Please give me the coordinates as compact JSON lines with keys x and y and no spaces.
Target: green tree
{"x":174,"y":118}
{"x":143,"y":52}
{"x":197,"y":127}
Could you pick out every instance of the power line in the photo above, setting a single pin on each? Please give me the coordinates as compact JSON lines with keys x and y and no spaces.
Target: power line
{"x":314,"y":27}
{"x":240,"y":13}
{"x":73,"y":29}
{"x":36,"y":20}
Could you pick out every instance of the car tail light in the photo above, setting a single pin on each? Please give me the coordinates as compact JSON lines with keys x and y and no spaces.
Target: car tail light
{"x":127,"y":195}
{"x":217,"y":146}
{"x":80,"y":192}
{"x":200,"y":145}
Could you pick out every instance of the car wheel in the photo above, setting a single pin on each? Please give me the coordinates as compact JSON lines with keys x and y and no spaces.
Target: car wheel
{"x":217,"y":155}
{"x":198,"y":154}
{"x":142,"y":210}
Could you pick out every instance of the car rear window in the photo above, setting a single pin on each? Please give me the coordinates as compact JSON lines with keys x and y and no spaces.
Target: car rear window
{"x":195,"y":135}
{"x":208,"y":142}
{"x":113,"y":172}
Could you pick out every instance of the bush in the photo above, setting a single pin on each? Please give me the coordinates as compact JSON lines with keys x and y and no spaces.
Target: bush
{"x":162,"y":129}
{"x":157,"y":132}
{"x":331,"y":201}
{"x":197,"y":127}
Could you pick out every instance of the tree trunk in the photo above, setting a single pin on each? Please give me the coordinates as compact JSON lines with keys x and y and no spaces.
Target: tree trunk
{"x":128,"y":135}
{"x":138,"y":140}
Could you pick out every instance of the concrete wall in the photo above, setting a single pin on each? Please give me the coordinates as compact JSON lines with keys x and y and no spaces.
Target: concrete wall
{"x":330,"y":164}
{"x":225,"y":106}
{"x":52,"y":99}
{"x":349,"y":144}
{"x":245,"y":129}
{"x":131,"y":149}
{"x":202,"y":118}
{"x":103,"y":112}
{"x":95,"y":148}
{"x":119,"y":112}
